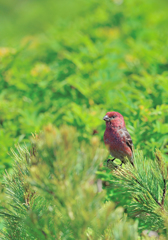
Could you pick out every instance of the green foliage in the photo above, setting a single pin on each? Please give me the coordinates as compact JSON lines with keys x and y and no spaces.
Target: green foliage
{"x":52,"y":192}
{"x":71,"y":63}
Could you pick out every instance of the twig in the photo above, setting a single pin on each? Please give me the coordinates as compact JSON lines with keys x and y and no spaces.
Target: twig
{"x":164,"y":192}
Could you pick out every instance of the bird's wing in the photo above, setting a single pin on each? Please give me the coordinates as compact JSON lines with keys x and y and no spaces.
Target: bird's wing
{"x":128,"y":139}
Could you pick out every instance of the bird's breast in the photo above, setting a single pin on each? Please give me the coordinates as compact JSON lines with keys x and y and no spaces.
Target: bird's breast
{"x":115,"y":140}
{"x":111,"y":136}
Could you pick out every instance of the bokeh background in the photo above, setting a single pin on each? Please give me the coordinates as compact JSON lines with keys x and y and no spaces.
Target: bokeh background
{"x":69,"y":62}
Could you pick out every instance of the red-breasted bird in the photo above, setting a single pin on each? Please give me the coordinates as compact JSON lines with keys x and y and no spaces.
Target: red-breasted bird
{"x":117,"y":138}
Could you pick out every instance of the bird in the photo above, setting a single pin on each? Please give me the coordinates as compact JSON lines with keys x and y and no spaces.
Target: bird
{"x":117,"y":138}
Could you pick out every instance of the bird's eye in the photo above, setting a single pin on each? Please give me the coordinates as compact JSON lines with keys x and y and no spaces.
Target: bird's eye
{"x":112,"y":117}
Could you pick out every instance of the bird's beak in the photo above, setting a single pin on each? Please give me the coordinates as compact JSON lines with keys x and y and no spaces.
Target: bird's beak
{"x":106,"y":118}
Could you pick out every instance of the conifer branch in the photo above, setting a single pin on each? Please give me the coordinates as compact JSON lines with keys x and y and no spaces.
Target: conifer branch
{"x":148,"y":192}
{"x":144,"y":188}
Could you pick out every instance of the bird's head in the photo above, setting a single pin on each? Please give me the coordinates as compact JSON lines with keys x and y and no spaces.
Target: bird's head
{"x":114,"y":119}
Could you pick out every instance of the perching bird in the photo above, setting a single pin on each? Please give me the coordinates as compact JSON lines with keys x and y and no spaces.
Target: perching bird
{"x":117,"y":138}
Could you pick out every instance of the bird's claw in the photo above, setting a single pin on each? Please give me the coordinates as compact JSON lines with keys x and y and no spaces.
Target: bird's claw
{"x":114,"y":166}
{"x":110,"y":160}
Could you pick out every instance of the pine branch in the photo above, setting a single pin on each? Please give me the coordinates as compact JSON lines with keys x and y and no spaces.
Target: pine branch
{"x":148,"y":192}
{"x":132,"y":175}
{"x":141,"y":190}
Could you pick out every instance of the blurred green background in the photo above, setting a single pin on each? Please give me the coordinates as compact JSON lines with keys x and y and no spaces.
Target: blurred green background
{"x":69,"y":62}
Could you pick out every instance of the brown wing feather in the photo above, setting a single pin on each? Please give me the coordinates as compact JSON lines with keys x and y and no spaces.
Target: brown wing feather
{"x":128,"y":139}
